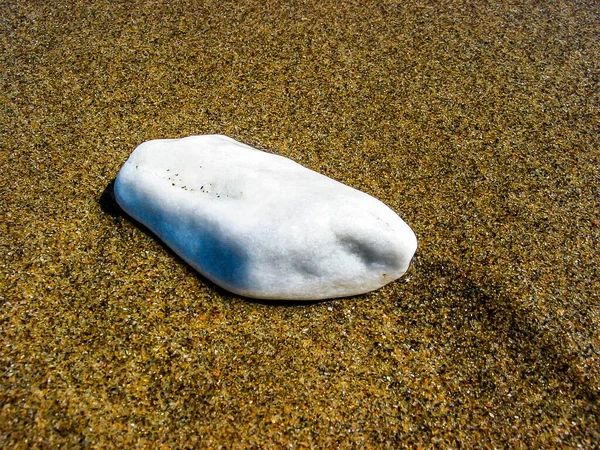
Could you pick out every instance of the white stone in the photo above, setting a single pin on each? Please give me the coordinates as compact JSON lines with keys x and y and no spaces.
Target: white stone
{"x":261,"y":225}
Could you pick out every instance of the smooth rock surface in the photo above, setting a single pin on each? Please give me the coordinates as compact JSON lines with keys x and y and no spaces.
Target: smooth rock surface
{"x":261,"y":225}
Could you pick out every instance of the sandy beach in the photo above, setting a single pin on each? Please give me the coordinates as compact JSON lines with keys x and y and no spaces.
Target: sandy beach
{"x":477,"y":122}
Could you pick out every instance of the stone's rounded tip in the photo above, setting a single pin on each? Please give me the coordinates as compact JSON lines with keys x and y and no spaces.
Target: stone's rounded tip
{"x":261,"y":225}
{"x":409,"y":245}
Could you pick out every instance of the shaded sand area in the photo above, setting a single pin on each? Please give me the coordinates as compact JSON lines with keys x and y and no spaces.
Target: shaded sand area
{"x":478,"y":122}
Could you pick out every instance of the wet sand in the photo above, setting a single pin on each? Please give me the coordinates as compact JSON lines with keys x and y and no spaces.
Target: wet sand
{"x":478,"y":123}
